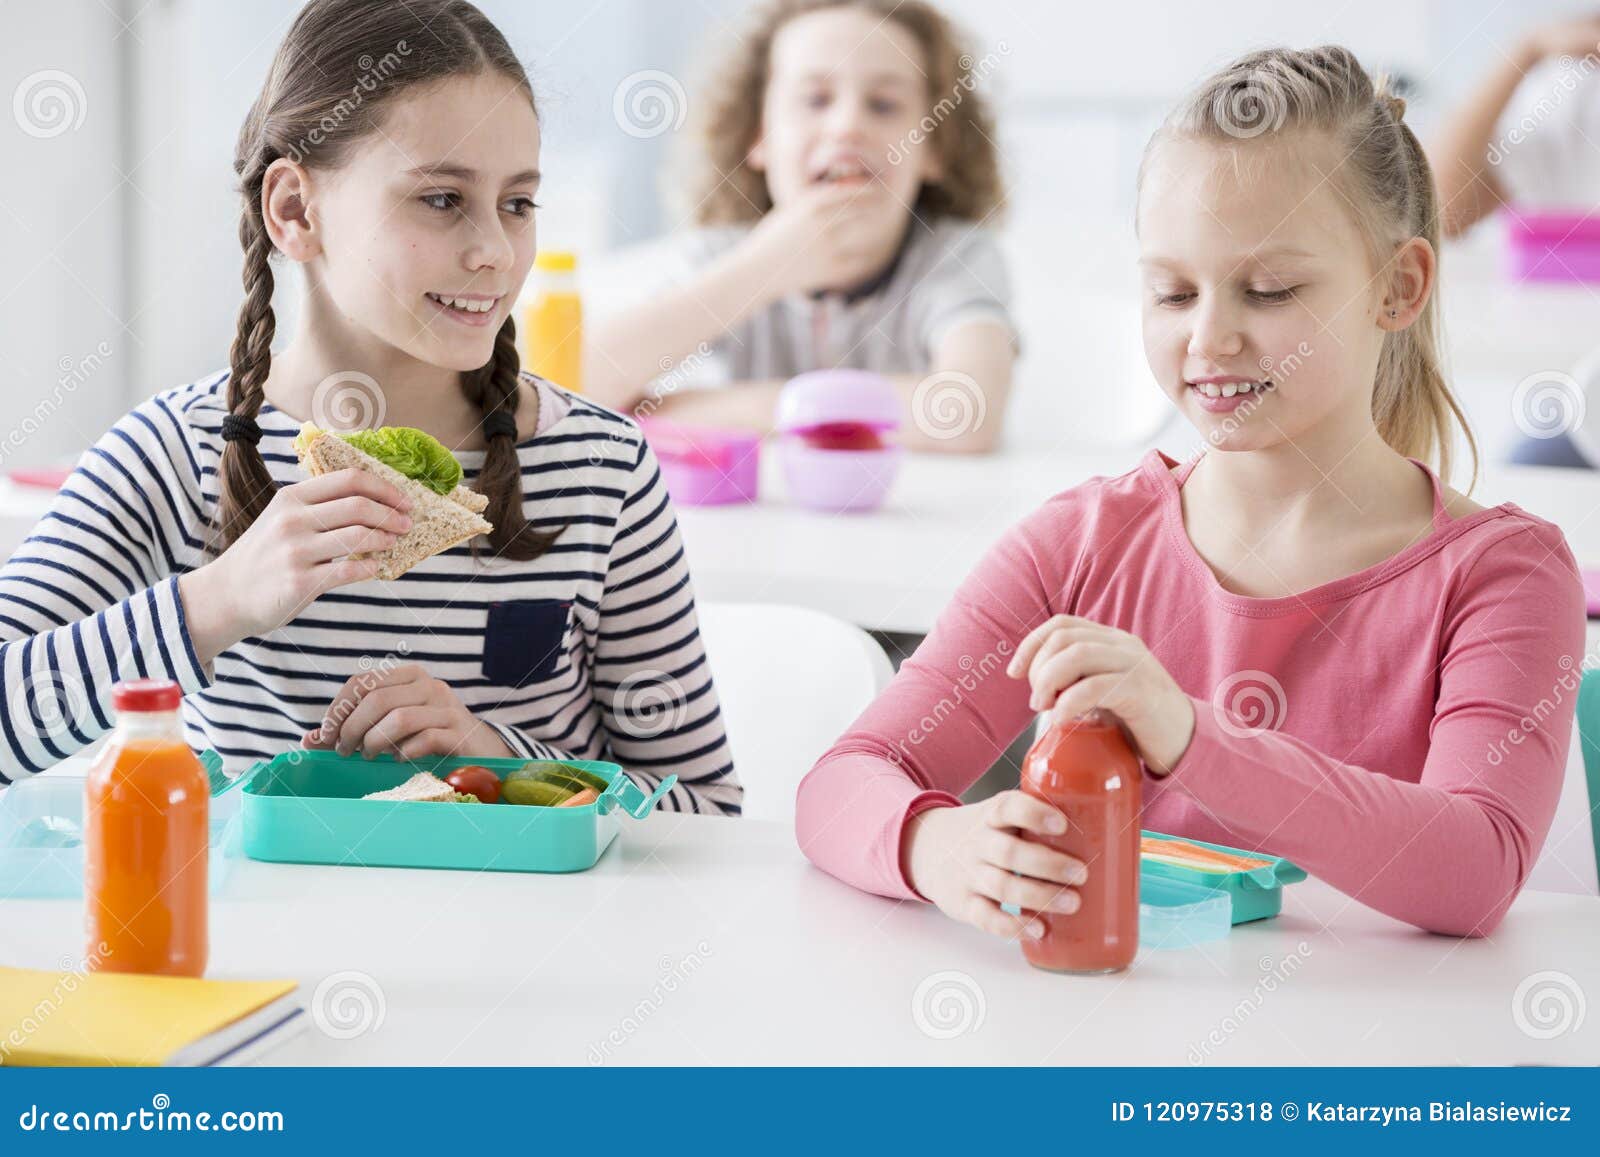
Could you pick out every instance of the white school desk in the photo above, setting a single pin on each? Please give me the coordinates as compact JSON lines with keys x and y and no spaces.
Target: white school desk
{"x":708,"y":941}
{"x":894,"y":569}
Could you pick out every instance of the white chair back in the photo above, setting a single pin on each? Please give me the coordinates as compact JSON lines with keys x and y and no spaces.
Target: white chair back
{"x":791,"y":681}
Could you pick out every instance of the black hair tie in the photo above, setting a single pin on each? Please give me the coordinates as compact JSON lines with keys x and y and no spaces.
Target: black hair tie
{"x":500,"y":424}
{"x":239,"y":428}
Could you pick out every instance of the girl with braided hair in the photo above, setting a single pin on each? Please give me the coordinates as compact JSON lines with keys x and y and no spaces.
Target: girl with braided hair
{"x":393,"y":156}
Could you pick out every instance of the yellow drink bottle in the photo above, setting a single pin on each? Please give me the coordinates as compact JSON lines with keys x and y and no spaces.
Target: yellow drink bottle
{"x":552,"y":325}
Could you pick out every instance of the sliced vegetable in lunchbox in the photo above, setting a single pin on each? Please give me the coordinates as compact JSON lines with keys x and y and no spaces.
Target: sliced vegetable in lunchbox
{"x":545,"y":783}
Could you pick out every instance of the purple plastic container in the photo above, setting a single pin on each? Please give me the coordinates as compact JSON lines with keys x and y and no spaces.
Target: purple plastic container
{"x":705,"y":465}
{"x":832,"y":449}
{"x":1553,"y":246}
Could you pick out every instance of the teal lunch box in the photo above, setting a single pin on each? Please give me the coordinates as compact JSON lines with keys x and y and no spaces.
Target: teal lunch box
{"x":1174,"y":914}
{"x":1254,"y":894}
{"x":305,"y":807}
{"x":1180,"y":907}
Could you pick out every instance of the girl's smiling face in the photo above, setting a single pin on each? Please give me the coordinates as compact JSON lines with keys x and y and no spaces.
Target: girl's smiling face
{"x":846,"y":95}
{"x":1263,"y":314}
{"x":434,"y":209}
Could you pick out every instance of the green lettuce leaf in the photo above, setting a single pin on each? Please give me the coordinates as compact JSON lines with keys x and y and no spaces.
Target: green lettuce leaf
{"x":412,"y":452}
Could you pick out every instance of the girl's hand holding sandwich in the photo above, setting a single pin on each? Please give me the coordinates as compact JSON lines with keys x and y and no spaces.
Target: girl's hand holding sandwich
{"x":407,"y":713}
{"x":293,"y":553}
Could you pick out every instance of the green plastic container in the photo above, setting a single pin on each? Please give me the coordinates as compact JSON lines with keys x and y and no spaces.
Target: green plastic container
{"x":1255,"y":894}
{"x":305,"y":807}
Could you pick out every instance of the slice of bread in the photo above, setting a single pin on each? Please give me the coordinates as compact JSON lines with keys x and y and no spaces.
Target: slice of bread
{"x":420,"y":788}
{"x":438,"y":521}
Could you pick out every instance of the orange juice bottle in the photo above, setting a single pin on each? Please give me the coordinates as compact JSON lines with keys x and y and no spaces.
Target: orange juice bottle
{"x":146,"y":837}
{"x":1086,"y":769}
{"x":552,"y":327}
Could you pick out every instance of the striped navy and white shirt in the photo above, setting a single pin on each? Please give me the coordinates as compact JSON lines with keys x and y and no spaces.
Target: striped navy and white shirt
{"x":591,"y":651}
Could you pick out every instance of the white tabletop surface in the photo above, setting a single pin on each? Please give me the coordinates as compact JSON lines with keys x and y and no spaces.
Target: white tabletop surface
{"x":896,"y":567}
{"x":700,"y":940}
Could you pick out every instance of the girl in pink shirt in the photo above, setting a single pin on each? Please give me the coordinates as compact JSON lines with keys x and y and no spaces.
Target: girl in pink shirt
{"x":1319,"y":649}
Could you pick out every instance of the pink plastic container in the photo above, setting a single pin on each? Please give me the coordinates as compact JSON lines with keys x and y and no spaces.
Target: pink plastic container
{"x":833,"y":446}
{"x":1553,"y":246}
{"x":705,"y":465}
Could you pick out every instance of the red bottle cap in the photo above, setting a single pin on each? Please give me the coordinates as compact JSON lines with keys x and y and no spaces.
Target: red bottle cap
{"x":146,"y":695}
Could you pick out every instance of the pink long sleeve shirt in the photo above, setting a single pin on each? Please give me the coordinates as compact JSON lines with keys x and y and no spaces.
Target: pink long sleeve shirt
{"x":1401,"y":733}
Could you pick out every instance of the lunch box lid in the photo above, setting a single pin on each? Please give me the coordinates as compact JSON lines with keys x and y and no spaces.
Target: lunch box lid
{"x":41,"y":839}
{"x":832,"y":397}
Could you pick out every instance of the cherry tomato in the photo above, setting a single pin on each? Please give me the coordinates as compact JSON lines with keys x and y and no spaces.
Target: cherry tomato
{"x":475,"y":780}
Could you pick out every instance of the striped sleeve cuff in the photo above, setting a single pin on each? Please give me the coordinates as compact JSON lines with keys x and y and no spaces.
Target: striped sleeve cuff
{"x":525,"y":745}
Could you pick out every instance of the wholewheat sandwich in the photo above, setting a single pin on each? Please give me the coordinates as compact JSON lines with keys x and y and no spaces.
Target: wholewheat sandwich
{"x":444,"y":513}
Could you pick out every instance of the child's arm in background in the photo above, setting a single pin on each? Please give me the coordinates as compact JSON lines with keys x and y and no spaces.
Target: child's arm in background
{"x":829,"y":236}
{"x":1469,"y":187}
{"x":1450,"y":852}
{"x":960,"y":410}
{"x":658,"y":703}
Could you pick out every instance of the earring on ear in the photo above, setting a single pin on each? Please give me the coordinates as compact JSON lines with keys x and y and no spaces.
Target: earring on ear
{"x":1394,"y":313}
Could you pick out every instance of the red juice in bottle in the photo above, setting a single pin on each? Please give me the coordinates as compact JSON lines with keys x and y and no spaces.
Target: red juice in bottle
{"x":1086,"y":769}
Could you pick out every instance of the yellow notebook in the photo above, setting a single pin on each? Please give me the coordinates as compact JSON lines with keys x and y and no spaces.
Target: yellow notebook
{"x":106,"y":1018}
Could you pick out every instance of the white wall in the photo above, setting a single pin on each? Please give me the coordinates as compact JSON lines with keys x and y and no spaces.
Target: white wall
{"x":151,"y":263}
{"x":64,"y":350}
{"x":200,"y":65}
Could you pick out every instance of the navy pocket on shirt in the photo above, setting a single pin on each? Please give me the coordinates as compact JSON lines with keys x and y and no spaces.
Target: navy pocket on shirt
{"x":523,"y":641}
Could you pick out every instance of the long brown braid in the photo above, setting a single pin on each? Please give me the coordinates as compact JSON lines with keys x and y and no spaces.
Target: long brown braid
{"x":246,"y":483}
{"x":495,"y":390}
{"x":307,"y":112}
